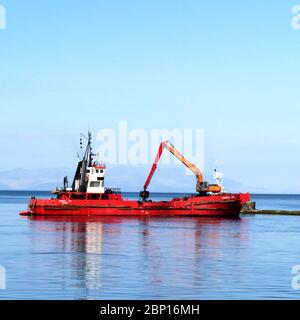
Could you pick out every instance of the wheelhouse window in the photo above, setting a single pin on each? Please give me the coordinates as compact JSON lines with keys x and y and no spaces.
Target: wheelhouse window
{"x":95,"y":184}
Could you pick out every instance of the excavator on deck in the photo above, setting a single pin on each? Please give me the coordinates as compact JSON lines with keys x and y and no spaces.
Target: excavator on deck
{"x":202,"y":187}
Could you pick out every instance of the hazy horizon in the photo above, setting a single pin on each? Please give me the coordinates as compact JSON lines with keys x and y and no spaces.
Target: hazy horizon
{"x":153,"y":192}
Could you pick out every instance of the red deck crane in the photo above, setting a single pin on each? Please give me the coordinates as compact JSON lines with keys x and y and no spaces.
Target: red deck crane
{"x":201,"y":186}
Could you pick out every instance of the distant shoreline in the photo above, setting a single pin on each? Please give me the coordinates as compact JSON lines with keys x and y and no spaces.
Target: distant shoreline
{"x":273,"y":212}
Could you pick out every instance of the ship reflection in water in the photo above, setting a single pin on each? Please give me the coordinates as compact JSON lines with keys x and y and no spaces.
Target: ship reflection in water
{"x":136,"y":258}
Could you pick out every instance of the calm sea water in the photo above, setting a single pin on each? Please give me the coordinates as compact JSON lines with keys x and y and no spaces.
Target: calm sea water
{"x":138,"y":258}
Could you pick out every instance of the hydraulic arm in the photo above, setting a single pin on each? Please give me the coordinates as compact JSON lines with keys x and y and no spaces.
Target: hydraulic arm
{"x":201,"y":186}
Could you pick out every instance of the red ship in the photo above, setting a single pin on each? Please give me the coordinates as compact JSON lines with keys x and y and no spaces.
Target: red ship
{"x":88,"y":196}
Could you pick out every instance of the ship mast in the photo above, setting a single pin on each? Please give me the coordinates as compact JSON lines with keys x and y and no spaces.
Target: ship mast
{"x":80,"y":181}
{"x":85,"y":163}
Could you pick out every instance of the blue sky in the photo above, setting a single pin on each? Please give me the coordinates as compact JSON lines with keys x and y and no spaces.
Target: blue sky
{"x":229,"y":67}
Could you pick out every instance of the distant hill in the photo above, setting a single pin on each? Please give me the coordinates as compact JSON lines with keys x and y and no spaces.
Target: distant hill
{"x":168,"y":178}
{"x":28,"y":179}
{"x":232,"y":185}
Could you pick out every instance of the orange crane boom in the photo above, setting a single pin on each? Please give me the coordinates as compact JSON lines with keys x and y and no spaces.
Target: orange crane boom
{"x":202,"y":187}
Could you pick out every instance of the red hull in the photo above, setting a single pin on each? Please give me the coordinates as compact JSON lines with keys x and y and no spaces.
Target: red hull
{"x":223,"y":205}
